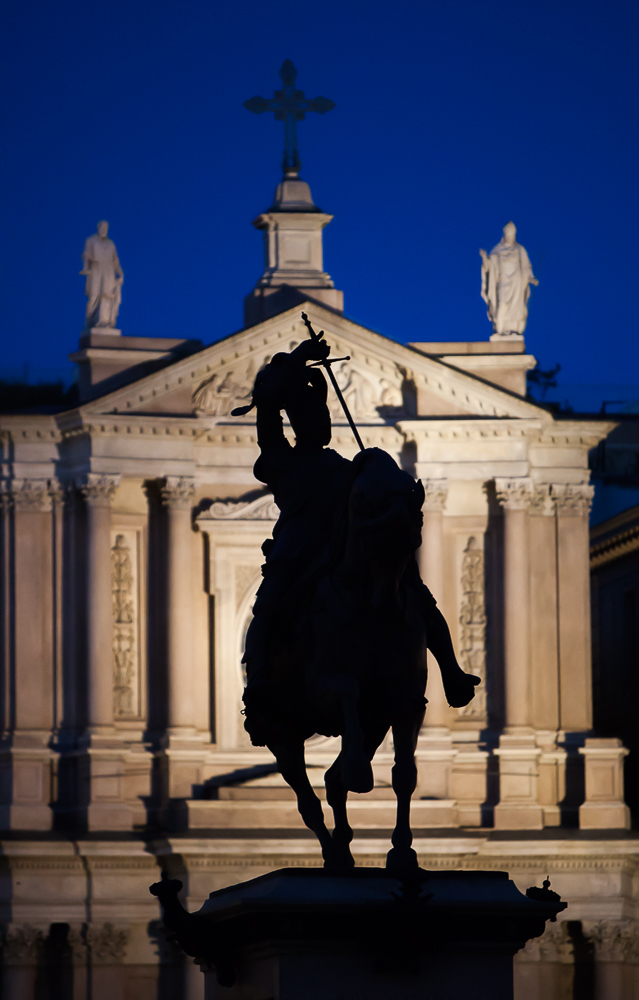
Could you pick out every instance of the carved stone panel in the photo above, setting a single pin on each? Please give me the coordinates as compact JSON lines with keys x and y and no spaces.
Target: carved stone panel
{"x":369,"y":395}
{"x":125,"y":573}
{"x":221,"y":392}
{"x":107,"y":943}
{"x":472,"y":622}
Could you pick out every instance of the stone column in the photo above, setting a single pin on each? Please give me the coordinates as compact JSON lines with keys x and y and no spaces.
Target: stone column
{"x":545,"y":967}
{"x":573,"y":575}
{"x":177,"y":494}
{"x":107,"y":808}
{"x":544,"y":655}
{"x":23,"y":953}
{"x":431,"y":567}
{"x":184,"y":742}
{"x":26,"y":759}
{"x":435,"y":753}
{"x":98,"y":492}
{"x":518,"y":808}
{"x":615,"y":946}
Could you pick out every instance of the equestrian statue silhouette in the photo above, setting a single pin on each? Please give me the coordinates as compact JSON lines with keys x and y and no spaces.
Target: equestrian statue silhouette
{"x":342,"y":621}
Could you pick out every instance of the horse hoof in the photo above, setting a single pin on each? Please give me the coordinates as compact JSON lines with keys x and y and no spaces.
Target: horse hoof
{"x":357,"y":774}
{"x":344,"y":863}
{"x":402,"y":862}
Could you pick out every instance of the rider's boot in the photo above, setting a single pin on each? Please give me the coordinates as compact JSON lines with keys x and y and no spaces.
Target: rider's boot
{"x":357,"y":772}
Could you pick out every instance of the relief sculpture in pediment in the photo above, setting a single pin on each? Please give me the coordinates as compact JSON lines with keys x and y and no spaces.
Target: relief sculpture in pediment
{"x":367,"y":396}
{"x":220,"y":393}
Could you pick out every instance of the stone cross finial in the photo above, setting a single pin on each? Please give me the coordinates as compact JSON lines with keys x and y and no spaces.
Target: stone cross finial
{"x":289,"y":106}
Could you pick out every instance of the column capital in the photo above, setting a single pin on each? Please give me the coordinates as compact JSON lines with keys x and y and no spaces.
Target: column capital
{"x":33,"y":495}
{"x":178,"y":492}
{"x":572,"y":499}
{"x":98,"y":489}
{"x":436,"y":491}
{"x":514,"y":494}
{"x":613,"y":940}
{"x":23,"y":945}
{"x":542,"y":503}
{"x":108,"y":942}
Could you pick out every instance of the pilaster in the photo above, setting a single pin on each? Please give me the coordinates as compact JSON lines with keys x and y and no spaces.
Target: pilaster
{"x":544,"y":644}
{"x":518,"y":807}
{"x":107,"y":753}
{"x":573,"y":574}
{"x":22,"y":954}
{"x":614,"y":943}
{"x":431,"y":566}
{"x":184,"y":742}
{"x":31,"y":506}
{"x":435,"y":752}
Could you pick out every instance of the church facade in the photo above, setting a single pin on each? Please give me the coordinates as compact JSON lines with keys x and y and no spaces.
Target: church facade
{"x":132,"y":528}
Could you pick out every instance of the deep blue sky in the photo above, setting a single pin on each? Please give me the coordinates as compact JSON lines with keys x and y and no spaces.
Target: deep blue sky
{"x":451,"y":119}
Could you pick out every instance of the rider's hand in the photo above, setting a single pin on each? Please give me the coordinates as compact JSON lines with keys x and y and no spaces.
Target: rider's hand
{"x":311,"y":350}
{"x":459,"y":687}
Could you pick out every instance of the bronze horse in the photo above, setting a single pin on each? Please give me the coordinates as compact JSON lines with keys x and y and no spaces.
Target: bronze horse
{"x":342,"y":622}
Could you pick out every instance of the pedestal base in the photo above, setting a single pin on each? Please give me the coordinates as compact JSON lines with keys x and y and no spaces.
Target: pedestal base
{"x":323,"y":973}
{"x":604,"y":808}
{"x":25,"y":785}
{"x":362,"y":934}
{"x":518,"y":807}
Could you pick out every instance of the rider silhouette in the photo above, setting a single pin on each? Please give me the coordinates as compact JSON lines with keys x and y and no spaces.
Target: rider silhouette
{"x":309,"y":482}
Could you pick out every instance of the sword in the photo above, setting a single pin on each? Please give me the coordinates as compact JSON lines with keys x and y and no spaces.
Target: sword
{"x":326,"y":365}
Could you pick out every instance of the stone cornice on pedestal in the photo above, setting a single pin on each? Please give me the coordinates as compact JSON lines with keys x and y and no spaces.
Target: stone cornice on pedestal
{"x":178,"y":492}
{"x":98,"y":489}
{"x":515,"y":493}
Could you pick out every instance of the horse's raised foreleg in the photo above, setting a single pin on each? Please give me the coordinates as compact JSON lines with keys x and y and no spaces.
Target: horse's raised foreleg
{"x":402,"y":858}
{"x":355,"y":768}
{"x":290,"y":760}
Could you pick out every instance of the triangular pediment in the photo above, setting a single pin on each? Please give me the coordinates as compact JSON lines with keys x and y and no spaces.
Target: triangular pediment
{"x":381,"y":382}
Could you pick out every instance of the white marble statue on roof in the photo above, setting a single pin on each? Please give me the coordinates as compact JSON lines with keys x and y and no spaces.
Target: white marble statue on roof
{"x":104,"y":279}
{"x":506,"y":276}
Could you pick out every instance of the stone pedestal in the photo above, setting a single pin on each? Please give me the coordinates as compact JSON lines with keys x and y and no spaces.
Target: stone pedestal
{"x":468,"y":783}
{"x":604,"y":807}
{"x":361,"y":935}
{"x":518,"y":807}
{"x":435,"y":755}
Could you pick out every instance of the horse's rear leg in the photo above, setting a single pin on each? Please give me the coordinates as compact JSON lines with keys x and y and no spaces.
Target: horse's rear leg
{"x":402,"y":858}
{"x":290,"y":760}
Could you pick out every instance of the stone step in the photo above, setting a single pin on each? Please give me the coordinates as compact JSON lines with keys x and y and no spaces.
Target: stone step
{"x":283,"y":793}
{"x":364,"y":813}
